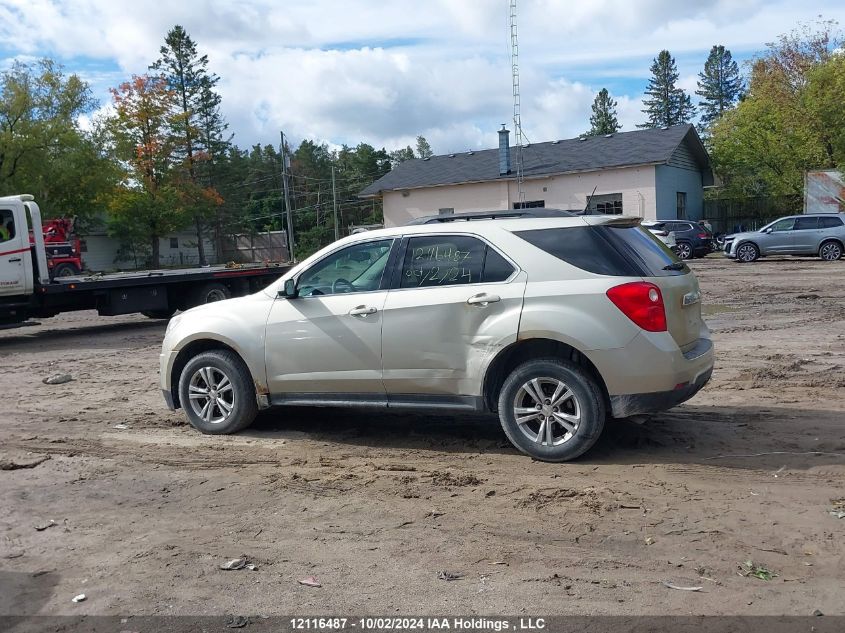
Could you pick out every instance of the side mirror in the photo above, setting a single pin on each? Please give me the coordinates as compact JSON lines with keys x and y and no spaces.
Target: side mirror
{"x":769,"y":230}
{"x":289,"y":290}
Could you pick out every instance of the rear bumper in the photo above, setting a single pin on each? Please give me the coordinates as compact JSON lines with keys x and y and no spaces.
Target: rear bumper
{"x":640,"y":403}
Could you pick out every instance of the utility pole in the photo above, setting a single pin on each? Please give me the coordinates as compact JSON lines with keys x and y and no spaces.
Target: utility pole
{"x":334,"y":205}
{"x":289,"y":213}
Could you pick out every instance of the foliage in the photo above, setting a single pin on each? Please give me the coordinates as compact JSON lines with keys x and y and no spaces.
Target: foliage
{"x":666,"y":104}
{"x":197,"y":125}
{"x":423,"y":148}
{"x":43,"y":149}
{"x":789,"y":122}
{"x":603,"y":120}
{"x":719,"y":85}
{"x":147,"y":202}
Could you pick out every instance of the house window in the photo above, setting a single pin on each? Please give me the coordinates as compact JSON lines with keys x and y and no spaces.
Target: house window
{"x":446,"y":211}
{"x":174,"y":242}
{"x":606,"y":204}
{"x":682,"y":205}
{"x":530,"y":204}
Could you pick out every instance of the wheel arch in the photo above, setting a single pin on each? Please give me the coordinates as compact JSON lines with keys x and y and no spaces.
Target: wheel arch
{"x":828,"y":240}
{"x":528,"y":349}
{"x":195,"y":347}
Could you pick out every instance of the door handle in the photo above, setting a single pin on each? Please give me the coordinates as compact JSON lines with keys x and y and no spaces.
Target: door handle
{"x":362,"y":311}
{"x":15,"y":259}
{"x":482,"y":299}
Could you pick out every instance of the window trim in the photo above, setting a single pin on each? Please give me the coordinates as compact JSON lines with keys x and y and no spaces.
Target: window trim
{"x":396,"y":277}
{"x":385,"y":278}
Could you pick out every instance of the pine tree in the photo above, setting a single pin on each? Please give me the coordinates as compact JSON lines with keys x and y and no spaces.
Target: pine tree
{"x":185,"y":72}
{"x":719,"y":85}
{"x":666,"y":103}
{"x":603,"y":120}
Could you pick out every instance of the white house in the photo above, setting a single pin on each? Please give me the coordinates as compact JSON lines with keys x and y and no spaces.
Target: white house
{"x":654,"y":174}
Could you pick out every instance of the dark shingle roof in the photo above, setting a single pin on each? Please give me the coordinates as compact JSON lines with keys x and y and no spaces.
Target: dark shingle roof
{"x":623,"y":149}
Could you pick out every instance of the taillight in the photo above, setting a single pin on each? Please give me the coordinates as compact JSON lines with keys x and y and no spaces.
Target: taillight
{"x":703,"y":236}
{"x":642,"y":302}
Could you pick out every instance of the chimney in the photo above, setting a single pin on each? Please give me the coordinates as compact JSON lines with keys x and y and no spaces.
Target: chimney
{"x":504,"y":151}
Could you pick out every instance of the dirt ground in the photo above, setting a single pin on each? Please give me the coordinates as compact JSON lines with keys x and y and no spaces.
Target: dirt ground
{"x":376,"y":506}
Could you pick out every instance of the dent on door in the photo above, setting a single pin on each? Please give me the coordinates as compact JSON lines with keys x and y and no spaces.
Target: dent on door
{"x":440,"y":340}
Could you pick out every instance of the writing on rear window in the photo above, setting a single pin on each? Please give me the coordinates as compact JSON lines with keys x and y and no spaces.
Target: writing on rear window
{"x":447,"y":260}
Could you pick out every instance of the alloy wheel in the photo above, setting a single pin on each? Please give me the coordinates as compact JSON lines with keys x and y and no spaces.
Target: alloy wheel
{"x":212,"y":395}
{"x":684,"y":250}
{"x":746,"y":253}
{"x":546,"y":411}
{"x":831,"y":251}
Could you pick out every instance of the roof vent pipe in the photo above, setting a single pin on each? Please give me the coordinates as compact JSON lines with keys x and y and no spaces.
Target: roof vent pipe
{"x":504,"y":151}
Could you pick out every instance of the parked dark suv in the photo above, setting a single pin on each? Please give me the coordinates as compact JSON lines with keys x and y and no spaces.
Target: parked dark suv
{"x":693,"y":239}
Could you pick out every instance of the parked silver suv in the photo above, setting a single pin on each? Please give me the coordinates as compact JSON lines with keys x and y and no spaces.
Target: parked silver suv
{"x":821,"y":234}
{"x":553,"y":322}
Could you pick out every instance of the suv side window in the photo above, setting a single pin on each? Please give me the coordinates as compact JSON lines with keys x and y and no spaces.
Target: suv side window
{"x":829,"y":223}
{"x":803,"y":224}
{"x":356,"y":268}
{"x":783,"y":225}
{"x":448,"y":260}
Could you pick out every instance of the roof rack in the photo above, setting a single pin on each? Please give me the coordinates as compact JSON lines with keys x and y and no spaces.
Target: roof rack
{"x":514,"y":214}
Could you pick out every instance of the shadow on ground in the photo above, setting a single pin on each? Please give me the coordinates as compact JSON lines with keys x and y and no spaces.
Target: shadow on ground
{"x":707,"y":435}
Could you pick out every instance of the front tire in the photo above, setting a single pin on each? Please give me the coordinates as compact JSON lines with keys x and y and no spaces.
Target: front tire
{"x":747,"y":253}
{"x":571,"y":412}
{"x":217,"y":393}
{"x":830,"y":251}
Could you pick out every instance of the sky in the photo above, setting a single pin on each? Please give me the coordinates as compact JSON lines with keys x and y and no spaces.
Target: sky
{"x":383,"y":72}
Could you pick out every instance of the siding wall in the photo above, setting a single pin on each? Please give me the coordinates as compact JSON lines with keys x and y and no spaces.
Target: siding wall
{"x":568,"y":192}
{"x":669,"y":181}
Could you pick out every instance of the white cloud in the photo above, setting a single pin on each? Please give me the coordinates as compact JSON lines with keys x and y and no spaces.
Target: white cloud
{"x":344,"y":71}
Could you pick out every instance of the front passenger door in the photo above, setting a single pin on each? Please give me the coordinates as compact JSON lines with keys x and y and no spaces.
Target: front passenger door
{"x":327,"y":340}
{"x":456,"y":302}
{"x":780,"y":238}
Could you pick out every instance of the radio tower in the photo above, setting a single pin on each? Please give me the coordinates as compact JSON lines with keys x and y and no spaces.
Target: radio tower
{"x":517,"y":119}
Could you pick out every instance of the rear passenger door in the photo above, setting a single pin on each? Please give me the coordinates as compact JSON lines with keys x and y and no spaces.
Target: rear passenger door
{"x":455,"y":300}
{"x":805,"y":235}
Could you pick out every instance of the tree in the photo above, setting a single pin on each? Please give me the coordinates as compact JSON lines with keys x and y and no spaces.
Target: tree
{"x":603,"y":120}
{"x":719,"y":85}
{"x":43,"y":150}
{"x":423,"y":148}
{"x":666,"y":103}
{"x":186,"y":74}
{"x":146,"y":200}
{"x":401,"y":155}
{"x":789,"y":122}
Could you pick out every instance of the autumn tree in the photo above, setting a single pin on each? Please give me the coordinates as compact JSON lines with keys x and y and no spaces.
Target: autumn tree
{"x":666,"y":104}
{"x":145,"y":206}
{"x":603,"y":120}
{"x":782,"y":128}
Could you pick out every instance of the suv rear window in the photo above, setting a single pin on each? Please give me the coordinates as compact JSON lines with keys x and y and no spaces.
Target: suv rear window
{"x":606,"y":250}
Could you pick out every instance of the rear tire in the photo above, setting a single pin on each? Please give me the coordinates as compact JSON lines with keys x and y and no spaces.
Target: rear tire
{"x":747,"y":252}
{"x":830,"y":251}
{"x":209,"y":293}
{"x":684,"y":250}
{"x":65,"y":269}
{"x":223,"y":393}
{"x":561,"y":429}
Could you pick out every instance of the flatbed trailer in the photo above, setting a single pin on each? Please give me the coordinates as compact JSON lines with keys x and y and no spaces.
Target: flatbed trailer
{"x":26,"y":290}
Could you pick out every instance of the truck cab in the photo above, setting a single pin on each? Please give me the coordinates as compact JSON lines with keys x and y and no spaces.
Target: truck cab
{"x":19,"y":273}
